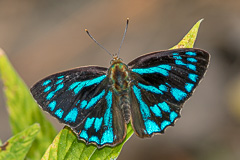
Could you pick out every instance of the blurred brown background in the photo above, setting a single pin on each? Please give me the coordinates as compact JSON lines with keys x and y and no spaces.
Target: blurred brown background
{"x":47,"y":36}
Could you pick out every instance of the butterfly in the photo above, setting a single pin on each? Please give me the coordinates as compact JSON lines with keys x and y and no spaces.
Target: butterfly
{"x":98,"y":102}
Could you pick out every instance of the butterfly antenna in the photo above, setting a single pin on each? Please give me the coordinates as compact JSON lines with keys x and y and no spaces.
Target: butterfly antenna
{"x":123,"y":36}
{"x":97,"y":42}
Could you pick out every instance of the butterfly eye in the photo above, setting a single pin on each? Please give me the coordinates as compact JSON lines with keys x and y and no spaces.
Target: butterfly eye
{"x":111,"y":61}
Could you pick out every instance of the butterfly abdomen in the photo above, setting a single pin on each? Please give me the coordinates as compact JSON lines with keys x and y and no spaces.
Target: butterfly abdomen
{"x":125,"y":107}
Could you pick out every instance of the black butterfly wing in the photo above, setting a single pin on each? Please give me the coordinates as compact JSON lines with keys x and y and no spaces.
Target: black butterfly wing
{"x":80,"y":98}
{"x":162,"y":82}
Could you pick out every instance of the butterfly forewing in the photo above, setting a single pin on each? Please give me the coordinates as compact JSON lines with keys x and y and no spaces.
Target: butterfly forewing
{"x":162,"y":82}
{"x":65,"y":95}
{"x":174,"y":73}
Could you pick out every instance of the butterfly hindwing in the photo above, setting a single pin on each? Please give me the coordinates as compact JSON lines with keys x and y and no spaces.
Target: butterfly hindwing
{"x":150,"y":113}
{"x":162,"y":82}
{"x":105,"y":125}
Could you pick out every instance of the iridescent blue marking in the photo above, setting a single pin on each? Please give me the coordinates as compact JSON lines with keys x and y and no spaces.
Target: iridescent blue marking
{"x":179,"y":62}
{"x":52,"y":105}
{"x":59,"y":81}
{"x":165,"y":66}
{"x":162,"y":87}
{"x":73,"y":85}
{"x":72,"y":115}
{"x":95,"y":80}
{"x":164,"y":106}
{"x":107,"y":136}
{"x":60,"y":86}
{"x":143,"y":106}
{"x":173,"y":115}
{"x":191,"y":53}
{"x":150,"y":88}
{"x":193,"y":77}
{"x":151,"y":127}
{"x":77,"y":102}
{"x":108,"y":113}
{"x":94,"y":139}
{"x":60,"y":77}
{"x":98,"y":123}
{"x":47,"y":89}
{"x":59,"y":113}
{"x":189,"y":87}
{"x":190,"y":66}
{"x":155,"y":109}
{"x":193,"y":60}
{"x":168,"y":84}
{"x":176,"y":56}
{"x":46,"y":82}
{"x":162,"y":69}
{"x":178,"y":94}
{"x":164,"y":124}
{"x":51,"y":94}
{"x":83,"y":104}
{"x":77,"y":86}
{"x":94,"y":100}
{"x":89,"y":123}
{"x":84,"y":134}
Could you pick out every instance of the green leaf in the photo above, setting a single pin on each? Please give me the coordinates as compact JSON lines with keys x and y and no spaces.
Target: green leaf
{"x":189,"y":39}
{"x":0,"y":142}
{"x":67,"y":146}
{"x":23,"y":110}
{"x":18,"y":146}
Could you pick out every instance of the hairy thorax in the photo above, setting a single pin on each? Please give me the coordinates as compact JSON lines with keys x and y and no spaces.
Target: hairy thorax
{"x":120,"y":79}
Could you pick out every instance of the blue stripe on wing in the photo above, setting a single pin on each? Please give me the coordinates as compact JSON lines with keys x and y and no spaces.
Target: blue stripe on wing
{"x":77,"y":86}
{"x":162,"y":69}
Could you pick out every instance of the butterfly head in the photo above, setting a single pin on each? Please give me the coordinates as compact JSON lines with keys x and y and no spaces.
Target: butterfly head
{"x":116,"y":59}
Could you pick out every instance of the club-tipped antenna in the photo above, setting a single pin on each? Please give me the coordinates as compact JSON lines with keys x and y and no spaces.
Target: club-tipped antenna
{"x":123,"y":36}
{"x":97,"y":42}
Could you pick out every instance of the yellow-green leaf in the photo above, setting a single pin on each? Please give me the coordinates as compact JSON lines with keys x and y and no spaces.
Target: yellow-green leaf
{"x":23,"y":110}
{"x":189,"y":39}
{"x":18,"y":146}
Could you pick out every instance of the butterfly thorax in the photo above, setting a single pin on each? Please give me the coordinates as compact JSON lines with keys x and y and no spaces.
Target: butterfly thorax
{"x":119,"y":77}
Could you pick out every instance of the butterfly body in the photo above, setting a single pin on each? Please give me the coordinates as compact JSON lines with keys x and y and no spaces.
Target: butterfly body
{"x":98,"y":102}
{"x":120,"y":80}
